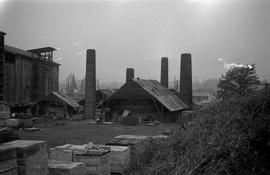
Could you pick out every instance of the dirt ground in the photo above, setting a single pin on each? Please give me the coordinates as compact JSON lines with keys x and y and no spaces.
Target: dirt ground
{"x":81,"y":132}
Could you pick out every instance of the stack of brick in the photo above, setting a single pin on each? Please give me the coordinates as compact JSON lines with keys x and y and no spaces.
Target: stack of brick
{"x":32,"y":158}
{"x":119,"y":159}
{"x":134,"y":142}
{"x":8,"y":161}
{"x":66,"y":168}
{"x":61,"y":153}
{"x":95,"y":157}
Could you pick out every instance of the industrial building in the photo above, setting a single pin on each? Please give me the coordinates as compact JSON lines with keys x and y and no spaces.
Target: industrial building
{"x":147,"y":99}
{"x":26,"y":76}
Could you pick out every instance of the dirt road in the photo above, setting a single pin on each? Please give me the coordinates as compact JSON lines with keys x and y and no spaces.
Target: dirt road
{"x":80,"y":132}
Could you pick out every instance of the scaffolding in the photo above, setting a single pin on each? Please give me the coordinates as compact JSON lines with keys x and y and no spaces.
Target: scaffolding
{"x":46,"y":54}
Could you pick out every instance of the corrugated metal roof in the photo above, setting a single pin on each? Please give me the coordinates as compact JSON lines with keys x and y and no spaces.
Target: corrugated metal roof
{"x":66,"y":99}
{"x":162,"y":94}
{"x":17,"y":51}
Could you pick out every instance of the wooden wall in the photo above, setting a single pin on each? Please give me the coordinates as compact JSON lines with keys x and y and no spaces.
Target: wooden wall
{"x":24,"y":78}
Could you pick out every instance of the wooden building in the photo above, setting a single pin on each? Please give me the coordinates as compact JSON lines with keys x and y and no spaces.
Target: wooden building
{"x":148,"y":100}
{"x":27,"y":76}
{"x":58,"y":105}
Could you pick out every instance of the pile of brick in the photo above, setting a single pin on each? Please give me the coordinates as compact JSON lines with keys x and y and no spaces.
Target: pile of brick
{"x":8,"y":161}
{"x":119,"y":159}
{"x":66,"y":168}
{"x":94,"y":157}
{"x":134,"y":142}
{"x":31,"y":157}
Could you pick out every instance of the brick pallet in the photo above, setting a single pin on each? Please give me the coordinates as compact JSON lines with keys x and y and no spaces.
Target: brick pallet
{"x":66,"y":168}
{"x":96,"y":159}
{"x":8,"y":161}
{"x":119,"y":158}
{"x":134,"y":142}
{"x":32,"y":158}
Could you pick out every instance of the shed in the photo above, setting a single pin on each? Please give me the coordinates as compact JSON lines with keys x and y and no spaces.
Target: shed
{"x":57,"y":104}
{"x":101,"y":95}
{"x":147,"y":99}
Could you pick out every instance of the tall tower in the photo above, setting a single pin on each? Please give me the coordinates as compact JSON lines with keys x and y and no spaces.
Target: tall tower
{"x":164,"y":72}
{"x":2,"y":61}
{"x":129,"y":74}
{"x":90,"y":84}
{"x":186,"y":78}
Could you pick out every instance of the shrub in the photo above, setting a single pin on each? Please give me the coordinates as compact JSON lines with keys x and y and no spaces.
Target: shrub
{"x":228,"y":137}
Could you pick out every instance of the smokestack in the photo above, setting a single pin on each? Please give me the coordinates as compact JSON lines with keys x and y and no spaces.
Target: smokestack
{"x":2,"y":60}
{"x":129,"y":74}
{"x":186,"y":78}
{"x":90,"y":84}
{"x":164,"y":72}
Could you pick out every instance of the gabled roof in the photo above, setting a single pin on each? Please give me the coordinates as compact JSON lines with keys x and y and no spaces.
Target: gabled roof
{"x":162,"y":94}
{"x":159,"y":92}
{"x":18,"y":51}
{"x":66,"y":99}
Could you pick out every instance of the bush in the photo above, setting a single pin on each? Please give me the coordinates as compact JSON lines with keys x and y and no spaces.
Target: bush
{"x":228,"y":137}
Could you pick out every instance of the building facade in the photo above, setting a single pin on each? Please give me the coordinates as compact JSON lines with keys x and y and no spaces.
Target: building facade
{"x":28,"y":75}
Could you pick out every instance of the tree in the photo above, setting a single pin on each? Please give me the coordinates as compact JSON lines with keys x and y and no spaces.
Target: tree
{"x":238,"y":81}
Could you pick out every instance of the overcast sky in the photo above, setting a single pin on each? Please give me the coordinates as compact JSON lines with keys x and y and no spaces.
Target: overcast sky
{"x":138,"y":33}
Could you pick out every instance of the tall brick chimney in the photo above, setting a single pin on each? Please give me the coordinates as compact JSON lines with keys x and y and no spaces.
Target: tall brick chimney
{"x":90,"y":84}
{"x":129,"y":74}
{"x":164,"y":77}
{"x":186,"y":78}
{"x":2,"y":60}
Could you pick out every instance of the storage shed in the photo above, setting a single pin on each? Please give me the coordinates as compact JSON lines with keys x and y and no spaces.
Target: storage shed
{"x":146,"y":99}
{"x":58,"y":105}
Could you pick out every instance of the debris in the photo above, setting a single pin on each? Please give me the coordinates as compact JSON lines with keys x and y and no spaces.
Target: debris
{"x":32,"y":129}
{"x":78,"y":117}
{"x":125,"y":113}
{"x":167,"y":132}
{"x":130,"y":121}
{"x":92,"y":122}
{"x":59,"y":124}
{"x":108,"y":123}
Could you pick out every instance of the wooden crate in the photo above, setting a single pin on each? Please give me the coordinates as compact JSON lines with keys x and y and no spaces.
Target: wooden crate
{"x":32,"y":158}
{"x":66,"y":168}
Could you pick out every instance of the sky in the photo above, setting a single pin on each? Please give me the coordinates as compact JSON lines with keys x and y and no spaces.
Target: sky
{"x":137,"y":33}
